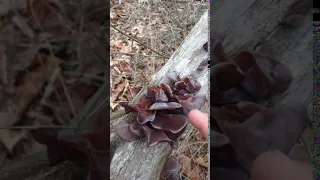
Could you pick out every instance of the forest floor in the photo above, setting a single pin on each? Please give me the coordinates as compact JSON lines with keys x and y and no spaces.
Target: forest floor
{"x":52,"y":60}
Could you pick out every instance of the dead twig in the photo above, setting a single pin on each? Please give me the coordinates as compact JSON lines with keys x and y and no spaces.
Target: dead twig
{"x":139,"y":42}
{"x":91,"y":76}
{"x":50,"y":87}
{"x":81,"y":119}
{"x":73,"y":109}
{"x":135,"y":54}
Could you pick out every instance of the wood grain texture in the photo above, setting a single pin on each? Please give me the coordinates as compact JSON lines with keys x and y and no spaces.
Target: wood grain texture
{"x":135,"y":160}
{"x":244,"y":23}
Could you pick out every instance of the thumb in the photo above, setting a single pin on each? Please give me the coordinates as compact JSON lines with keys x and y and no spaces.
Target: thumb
{"x":200,"y":121}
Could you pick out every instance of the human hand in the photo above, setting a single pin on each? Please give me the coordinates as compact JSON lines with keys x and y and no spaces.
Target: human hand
{"x":200,"y":121}
{"x":274,"y":165}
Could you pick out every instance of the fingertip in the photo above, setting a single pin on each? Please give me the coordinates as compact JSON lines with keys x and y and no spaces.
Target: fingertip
{"x":195,"y":113}
{"x":200,"y":121}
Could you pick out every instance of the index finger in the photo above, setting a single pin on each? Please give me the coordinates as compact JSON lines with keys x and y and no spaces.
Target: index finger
{"x":200,"y":121}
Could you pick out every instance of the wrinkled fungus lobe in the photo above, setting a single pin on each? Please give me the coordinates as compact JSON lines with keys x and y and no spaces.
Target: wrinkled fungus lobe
{"x":240,"y":129}
{"x":171,"y":170}
{"x":162,"y":111}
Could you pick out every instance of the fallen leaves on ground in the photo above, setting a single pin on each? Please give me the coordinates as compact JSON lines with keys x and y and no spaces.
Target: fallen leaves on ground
{"x":47,"y":72}
{"x":190,"y":169}
{"x":46,"y":18}
{"x":121,"y":86}
{"x":153,"y":26}
{"x":202,"y":161}
{"x":86,"y":148}
{"x":193,"y":155}
{"x":27,"y":89}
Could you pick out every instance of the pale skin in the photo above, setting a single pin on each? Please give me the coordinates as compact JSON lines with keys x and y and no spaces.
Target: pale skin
{"x":271,"y":165}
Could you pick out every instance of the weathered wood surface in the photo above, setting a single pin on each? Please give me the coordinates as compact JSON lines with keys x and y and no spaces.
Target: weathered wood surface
{"x":135,"y":160}
{"x":254,"y":25}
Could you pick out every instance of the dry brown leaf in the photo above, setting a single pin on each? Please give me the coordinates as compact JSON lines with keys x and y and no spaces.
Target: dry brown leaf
{"x":198,"y":136}
{"x":126,"y":49}
{"x":158,"y":64}
{"x":202,"y":161}
{"x":115,"y":78}
{"x":186,"y":163}
{"x":195,"y":174}
{"x":65,"y":111}
{"x":84,"y":91}
{"x":45,"y":17}
{"x":117,"y":91}
{"x":133,"y":91}
{"x":9,"y":138}
{"x":117,"y":44}
{"x":32,"y":82}
{"x":189,"y":169}
{"x":124,"y":67}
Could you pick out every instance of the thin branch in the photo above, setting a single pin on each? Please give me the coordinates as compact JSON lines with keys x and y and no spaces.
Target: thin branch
{"x":135,"y":54}
{"x":122,"y":101}
{"x":73,"y":109}
{"x":91,"y":76}
{"x":138,"y":42}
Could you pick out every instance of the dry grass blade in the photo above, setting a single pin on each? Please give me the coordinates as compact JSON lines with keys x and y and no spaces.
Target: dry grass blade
{"x":24,"y":27}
